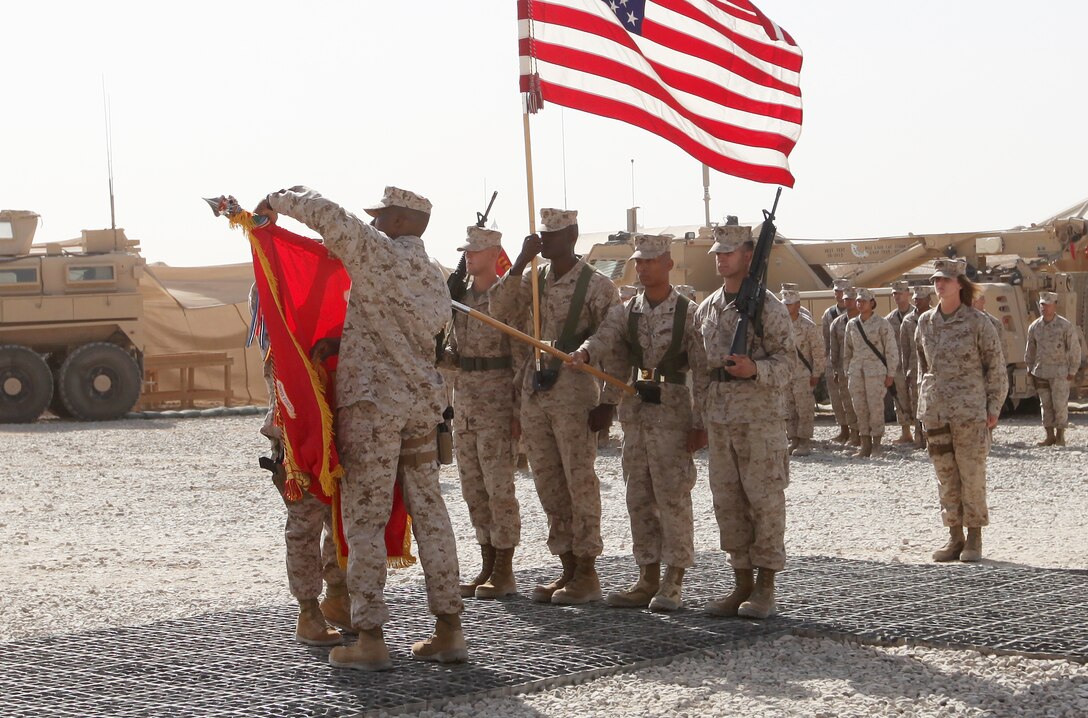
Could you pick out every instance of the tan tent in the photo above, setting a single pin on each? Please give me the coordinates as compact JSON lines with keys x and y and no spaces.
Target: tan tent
{"x":203,"y":309}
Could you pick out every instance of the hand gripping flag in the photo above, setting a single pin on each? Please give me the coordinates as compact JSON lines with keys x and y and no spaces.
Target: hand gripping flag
{"x":302,"y":294}
{"x":717,"y":78}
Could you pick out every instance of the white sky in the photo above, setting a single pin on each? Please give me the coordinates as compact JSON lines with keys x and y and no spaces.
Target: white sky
{"x":931,"y":115}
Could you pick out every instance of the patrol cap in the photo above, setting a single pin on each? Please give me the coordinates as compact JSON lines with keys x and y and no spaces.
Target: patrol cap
{"x":685,"y":290}
{"x":849,"y":293}
{"x":789,"y":286}
{"x":949,"y":268}
{"x":553,"y":220}
{"x":728,"y":237}
{"x":397,"y":197}
{"x":922,"y":291}
{"x":1048,"y":297}
{"x":841,"y":284}
{"x":900,"y":286}
{"x":790,"y":296}
{"x":627,"y":291}
{"x":865,"y":295}
{"x":477,"y":238}
{"x":648,"y":246}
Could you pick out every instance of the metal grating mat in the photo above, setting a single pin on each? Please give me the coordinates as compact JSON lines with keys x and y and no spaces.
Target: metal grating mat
{"x":245,"y":663}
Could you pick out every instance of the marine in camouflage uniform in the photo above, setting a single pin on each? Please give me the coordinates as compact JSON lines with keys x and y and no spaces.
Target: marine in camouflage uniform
{"x":483,"y":422}
{"x":831,"y":380}
{"x":908,"y":356}
{"x":1053,"y":358}
{"x":745,"y":416}
{"x":652,"y":335}
{"x":562,"y":410}
{"x":963,"y":384}
{"x":869,"y":375}
{"x":311,"y":556}
{"x":808,"y":365}
{"x":391,"y":397}
{"x":838,"y":366}
{"x":901,"y":398}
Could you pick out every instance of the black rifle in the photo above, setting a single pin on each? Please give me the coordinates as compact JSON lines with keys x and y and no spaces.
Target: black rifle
{"x":458,"y":281}
{"x":749,"y":300}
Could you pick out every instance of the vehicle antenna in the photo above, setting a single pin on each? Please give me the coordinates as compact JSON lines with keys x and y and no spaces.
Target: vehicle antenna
{"x":109,"y":156}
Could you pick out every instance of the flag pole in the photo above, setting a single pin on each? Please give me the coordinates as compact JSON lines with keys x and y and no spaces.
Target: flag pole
{"x":532,"y":230}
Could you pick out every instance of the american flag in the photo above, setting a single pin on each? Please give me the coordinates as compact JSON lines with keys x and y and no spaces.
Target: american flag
{"x":717,"y":78}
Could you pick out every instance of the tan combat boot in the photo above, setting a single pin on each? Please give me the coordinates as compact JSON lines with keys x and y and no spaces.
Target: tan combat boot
{"x":905,"y":437}
{"x":972,"y":549}
{"x":487,"y":565}
{"x":502,"y":581}
{"x":843,"y":435}
{"x":584,"y":587}
{"x":543,"y":593}
{"x":1050,"y":438}
{"x":951,"y":550}
{"x":668,"y":596}
{"x":446,"y":644}
{"x":336,"y":606}
{"x":311,"y":628}
{"x":793,"y":444}
{"x":919,"y":436}
{"x":369,"y":653}
{"x":641,"y":592}
{"x":761,"y":603}
{"x":728,"y":605}
{"x":804,"y":448}
{"x":865,"y":450}
{"x":875,"y":449}
{"x":1059,"y":436}
{"x":855,"y":438}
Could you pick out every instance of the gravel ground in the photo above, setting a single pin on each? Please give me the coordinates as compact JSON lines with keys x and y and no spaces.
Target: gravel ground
{"x":136,"y":521}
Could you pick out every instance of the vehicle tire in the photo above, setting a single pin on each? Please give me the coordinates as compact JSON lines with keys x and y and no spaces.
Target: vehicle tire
{"x":99,"y":381}
{"x":57,"y":406}
{"x":26,"y":385}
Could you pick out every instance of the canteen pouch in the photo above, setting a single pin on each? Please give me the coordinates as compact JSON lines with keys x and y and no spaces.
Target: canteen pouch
{"x":648,"y":391}
{"x":544,"y":379}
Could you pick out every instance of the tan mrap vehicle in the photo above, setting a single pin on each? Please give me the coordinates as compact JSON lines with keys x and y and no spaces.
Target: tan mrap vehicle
{"x":70,"y":323}
{"x":1012,"y":266}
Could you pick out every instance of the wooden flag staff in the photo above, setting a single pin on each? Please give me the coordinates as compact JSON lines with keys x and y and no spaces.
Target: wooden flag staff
{"x":532,"y":230}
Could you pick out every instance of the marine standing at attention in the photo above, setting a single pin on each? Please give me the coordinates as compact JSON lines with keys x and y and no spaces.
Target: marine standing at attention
{"x":390,"y":398}
{"x":871,"y":358}
{"x":1053,"y":358}
{"x":962,"y":386}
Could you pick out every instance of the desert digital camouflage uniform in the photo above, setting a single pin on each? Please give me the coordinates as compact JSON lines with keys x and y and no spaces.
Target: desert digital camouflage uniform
{"x":799,"y":400}
{"x":311,"y":556}
{"x":390,"y":397}
{"x":746,"y":427}
{"x":866,"y":373}
{"x":555,"y":422}
{"x":963,"y":380}
{"x":838,"y":367}
{"x":657,"y":468}
{"x":1053,"y":354}
{"x":484,"y":407}
{"x":908,"y":356}
{"x":829,"y":316}
{"x":903,"y":411}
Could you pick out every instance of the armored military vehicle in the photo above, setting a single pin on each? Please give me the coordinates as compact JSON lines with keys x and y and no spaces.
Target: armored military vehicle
{"x":70,"y":323}
{"x":1012,"y":266}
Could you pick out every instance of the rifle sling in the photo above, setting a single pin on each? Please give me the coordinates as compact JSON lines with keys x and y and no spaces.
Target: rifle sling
{"x":866,"y":338}
{"x":569,"y":339}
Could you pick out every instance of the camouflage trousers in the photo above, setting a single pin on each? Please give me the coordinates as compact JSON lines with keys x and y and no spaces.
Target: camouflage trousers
{"x":959,"y":458}
{"x":904,"y":413}
{"x":912,"y":387}
{"x":310,"y":557}
{"x":835,"y":396}
{"x":802,"y":409}
{"x":378,"y":450}
{"x":849,"y":416}
{"x":749,"y":473}
{"x":659,"y":474}
{"x":562,"y":451}
{"x":1054,"y":401}
{"x":867,"y":392}
{"x":485,"y":461}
